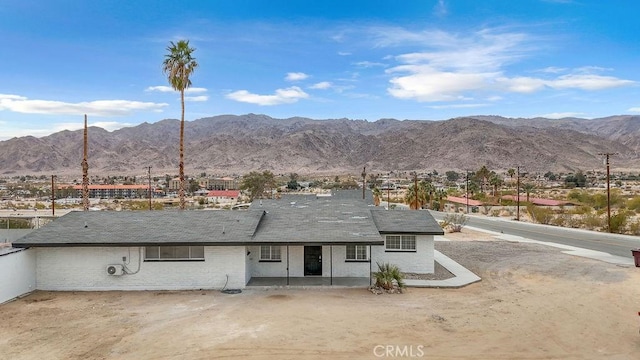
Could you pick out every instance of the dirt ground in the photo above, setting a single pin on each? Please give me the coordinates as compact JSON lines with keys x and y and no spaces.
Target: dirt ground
{"x":533,"y":303}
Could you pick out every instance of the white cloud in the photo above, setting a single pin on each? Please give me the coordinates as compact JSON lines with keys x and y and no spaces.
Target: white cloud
{"x":452,"y":67}
{"x":521,"y":84}
{"x":281,"y":96}
{"x":344,"y":53}
{"x":11,"y":97}
{"x":200,"y":98}
{"x":634,"y":109}
{"x":427,"y":84}
{"x":553,"y":70}
{"x":440,"y":9}
{"x":458,"y":106}
{"x":494,"y":98}
{"x":560,"y":115}
{"x":107,"y":125}
{"x":21,"y":104}
{"x":296,"y":76}
{"x":11,"y":132}
{"x":368,"y":64}
{"x":163,"y":88}
{"x":321,"y":85}
{"x":588,"y":82}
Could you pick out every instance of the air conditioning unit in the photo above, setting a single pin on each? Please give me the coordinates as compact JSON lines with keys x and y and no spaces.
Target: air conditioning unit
{"x":115,"y":270}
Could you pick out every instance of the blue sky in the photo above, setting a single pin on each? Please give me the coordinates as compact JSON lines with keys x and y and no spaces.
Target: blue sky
{"x":410,"y":59}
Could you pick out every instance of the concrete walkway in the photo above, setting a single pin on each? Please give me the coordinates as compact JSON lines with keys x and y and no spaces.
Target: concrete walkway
{"x":462,"y":276}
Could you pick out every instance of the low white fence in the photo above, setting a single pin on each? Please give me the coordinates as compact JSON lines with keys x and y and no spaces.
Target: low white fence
{"x":17,"y":272}
{"x":11,"y":235}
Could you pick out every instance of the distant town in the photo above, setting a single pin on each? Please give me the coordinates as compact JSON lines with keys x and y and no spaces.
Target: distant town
{"x":576,"y":200}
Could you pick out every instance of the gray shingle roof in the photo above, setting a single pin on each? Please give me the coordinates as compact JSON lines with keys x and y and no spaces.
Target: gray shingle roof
{"x":294,"y":221}
{"x":316,"y":220}
{"x":406,"y":222}
{"x":140,"y":228}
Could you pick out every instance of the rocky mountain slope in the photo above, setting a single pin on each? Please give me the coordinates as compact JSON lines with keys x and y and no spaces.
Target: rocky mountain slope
{"x":230,"y":144}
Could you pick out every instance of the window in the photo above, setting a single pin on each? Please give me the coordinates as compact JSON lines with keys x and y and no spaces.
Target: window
{"x":400,"y":243}
{"x":357,"y":253}
{"x":270,"y":253}
{"x":160,"y":253}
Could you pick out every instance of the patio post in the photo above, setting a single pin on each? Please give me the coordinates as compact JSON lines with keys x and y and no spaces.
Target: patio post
{"x":287,"y":264}
{"x":370,"y":261}
{"x":331,"y":264}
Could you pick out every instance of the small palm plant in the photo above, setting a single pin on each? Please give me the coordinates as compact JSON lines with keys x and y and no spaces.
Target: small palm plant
{"x":387,"y":274}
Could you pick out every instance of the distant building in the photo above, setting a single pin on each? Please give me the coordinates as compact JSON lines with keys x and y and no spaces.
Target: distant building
{"x":223,"y":196}
{"x":104,"y":191}
{"x":225,"y":183}
{"x":174,"y":184}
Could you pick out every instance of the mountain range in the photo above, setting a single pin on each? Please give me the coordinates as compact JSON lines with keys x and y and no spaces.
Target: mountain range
{"x":230,"y":144}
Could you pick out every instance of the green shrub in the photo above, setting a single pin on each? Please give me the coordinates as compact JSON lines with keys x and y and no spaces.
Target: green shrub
{"x":619,"y":222}
{"x":541,"y":215}
{"x":388,"y":275}
{"x":593,"y":221}
{"x":454,"y":222}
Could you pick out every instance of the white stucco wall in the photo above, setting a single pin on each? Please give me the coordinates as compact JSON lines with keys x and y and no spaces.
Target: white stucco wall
{"x":343,"y":268}
{"x":335,"y":259}
{"x":84,"y":268}
{"x":17,"y":274}
{"x":420,"y":261}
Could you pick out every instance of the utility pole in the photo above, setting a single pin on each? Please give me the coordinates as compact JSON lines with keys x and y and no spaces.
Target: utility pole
{"x":518,"y":193}
{"x":415,"y":190}
{"x":467,"y":190}
{"x":388,"y":194}
{"x":149,"y":190}
{"x":53,"y":196}
{"x":85,"y":170}
{"x":364,"y":180}
{"x":608,"y":191}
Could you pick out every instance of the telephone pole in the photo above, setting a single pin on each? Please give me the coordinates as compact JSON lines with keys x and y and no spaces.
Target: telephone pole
{"x":149,"y":190}
{"x":364,"y":180}
{"x":608,"y":190}
{"x":415,"y":190}
{"x":518,"y":193}
{"x":53,"y":196}
{"x":467,"y":190}
{"x":85,"y":170}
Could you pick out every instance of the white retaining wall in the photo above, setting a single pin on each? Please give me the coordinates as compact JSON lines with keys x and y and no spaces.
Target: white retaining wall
{"x":17,"y":273}
{"x":84,"y":268}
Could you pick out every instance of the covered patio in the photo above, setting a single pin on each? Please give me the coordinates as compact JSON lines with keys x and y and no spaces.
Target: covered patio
{"x":309,"y":281}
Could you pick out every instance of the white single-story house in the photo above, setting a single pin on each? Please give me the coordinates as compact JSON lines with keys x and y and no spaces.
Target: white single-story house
{"x":296,"y":237}
{"x":223,"y":196}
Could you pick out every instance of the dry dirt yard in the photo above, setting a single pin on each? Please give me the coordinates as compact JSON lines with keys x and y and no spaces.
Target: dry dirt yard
{"x":533,"y":303}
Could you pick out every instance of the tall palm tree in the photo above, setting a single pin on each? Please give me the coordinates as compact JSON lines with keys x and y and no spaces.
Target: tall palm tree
{"x":178,"y":65}
{"x":511,"y":172}
{"x":496,"y":182}
{"x":483,"y":174}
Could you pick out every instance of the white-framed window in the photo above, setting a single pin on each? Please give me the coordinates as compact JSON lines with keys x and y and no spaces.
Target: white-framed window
{"x":400,"y":243}
{"x":357,"y":253}
{"x":270,"y":253}
{"x":160,"y":253}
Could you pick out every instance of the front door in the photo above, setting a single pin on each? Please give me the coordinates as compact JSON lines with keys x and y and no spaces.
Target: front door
{"x":312,"y":260}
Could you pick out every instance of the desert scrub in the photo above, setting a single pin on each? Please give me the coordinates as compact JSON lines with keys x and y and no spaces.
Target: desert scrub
{"x":454,"y":222}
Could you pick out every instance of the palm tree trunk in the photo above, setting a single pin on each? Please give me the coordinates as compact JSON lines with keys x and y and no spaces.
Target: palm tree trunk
{"x":181,"y":164}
